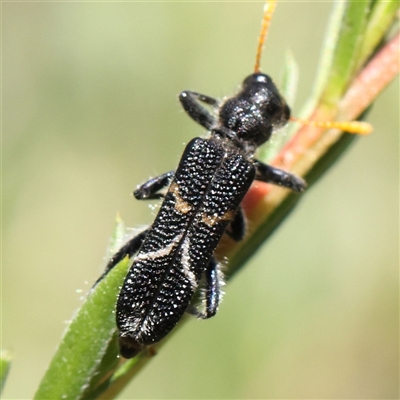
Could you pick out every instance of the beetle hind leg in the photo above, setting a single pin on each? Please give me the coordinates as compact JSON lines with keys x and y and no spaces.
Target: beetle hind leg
{"x":237,"y":228}
{"x":212,"y":293}
{"x":127,"y":250}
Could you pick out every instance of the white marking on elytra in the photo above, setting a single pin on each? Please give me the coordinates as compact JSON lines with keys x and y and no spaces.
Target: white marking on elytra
{"x":137,"y":326}
{"x":147,"y":324}
{"x":186,"y":263}
{"x":164,"y":251}
{"x":131,"y":327}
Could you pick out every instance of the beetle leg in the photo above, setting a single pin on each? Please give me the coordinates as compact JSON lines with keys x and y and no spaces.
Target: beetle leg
{"x":213,"y":292}
{"x":127,"y":250}
{"x":266,"y":173}
{"x":150,"y":189}
{"x":237,"y":228}
{"x":191,"y":103}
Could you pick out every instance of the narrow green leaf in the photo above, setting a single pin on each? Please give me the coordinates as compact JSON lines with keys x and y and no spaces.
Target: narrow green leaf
{"x":348,"y":46}
{"x":88,"y":351}
{"x":290,"y":78}
{"x":117,"y":238}
{"x":5,"y":365}
{"x":380,"y":20}
{"x":288,"y":87}
{"x":328,"y":49}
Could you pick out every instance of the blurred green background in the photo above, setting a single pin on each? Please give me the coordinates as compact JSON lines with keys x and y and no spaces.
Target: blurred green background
{"x":90,"y":110}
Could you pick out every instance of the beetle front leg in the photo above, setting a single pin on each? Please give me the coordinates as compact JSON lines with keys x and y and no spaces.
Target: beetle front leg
{"x":269,"y":174}
{"x":191,"y":104}
{"x":150,"y":189}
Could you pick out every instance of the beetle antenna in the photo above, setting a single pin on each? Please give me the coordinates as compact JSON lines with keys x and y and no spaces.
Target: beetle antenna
{"x":356,"y":127}
{"x":269,"y":9}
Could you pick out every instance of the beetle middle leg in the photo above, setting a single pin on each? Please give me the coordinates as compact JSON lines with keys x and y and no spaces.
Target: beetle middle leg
{"x":151,"y":189}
